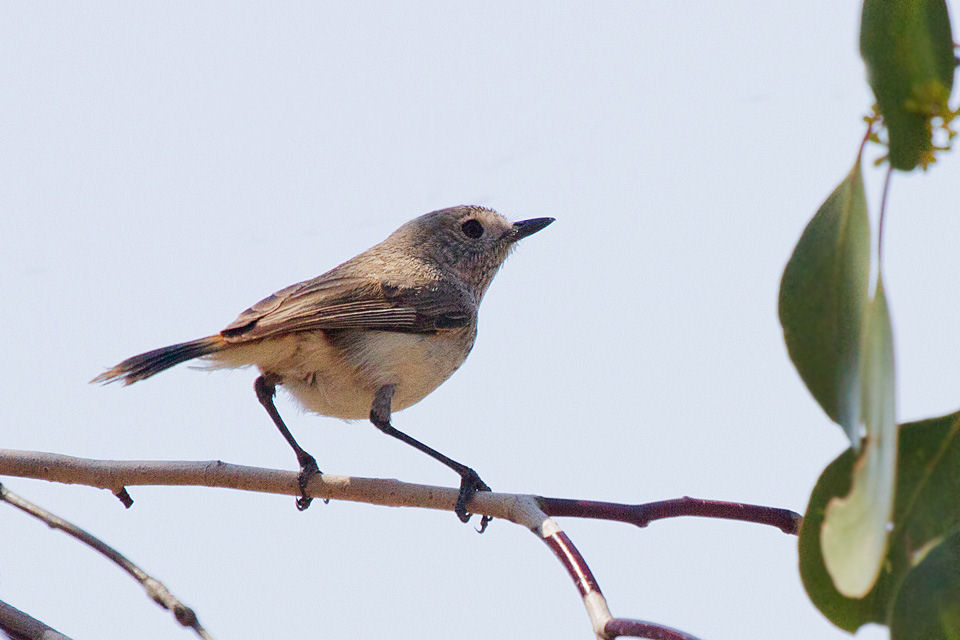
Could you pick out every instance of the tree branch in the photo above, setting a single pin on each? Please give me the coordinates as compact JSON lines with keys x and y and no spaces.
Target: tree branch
{"x":18,"y":625}
{"x":115,"y":475}
{"x":643,"y":514}
{"x":154,"y":588}
{"x":532,"y":512}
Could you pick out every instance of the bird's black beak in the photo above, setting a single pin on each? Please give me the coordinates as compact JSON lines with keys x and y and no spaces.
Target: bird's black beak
{"x":525,"y":228}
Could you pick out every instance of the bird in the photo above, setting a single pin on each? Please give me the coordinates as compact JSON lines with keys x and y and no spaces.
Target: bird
{"x":370,"y":337}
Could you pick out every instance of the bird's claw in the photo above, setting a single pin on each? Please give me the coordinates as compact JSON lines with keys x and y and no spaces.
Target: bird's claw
{"x":470,"y":483}
{"x":308,"y":469}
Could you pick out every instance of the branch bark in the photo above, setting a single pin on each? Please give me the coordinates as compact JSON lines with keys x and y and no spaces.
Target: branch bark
{"x":18,"y":625}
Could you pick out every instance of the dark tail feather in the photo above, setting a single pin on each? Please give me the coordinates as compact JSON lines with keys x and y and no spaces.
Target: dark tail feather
{"x":151,"y":362}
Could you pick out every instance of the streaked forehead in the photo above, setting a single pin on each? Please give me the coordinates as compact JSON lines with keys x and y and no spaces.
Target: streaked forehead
{"x":466,"y":211}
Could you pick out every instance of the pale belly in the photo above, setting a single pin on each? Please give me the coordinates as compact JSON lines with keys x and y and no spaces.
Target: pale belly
{"x":338,"y":374}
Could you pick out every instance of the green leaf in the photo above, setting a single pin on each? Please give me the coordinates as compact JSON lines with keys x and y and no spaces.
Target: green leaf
{"x":927,"y":604}
{"x":854,"y":534}
{"x":907,"y":46}
{"x":822,"y":297}
{"x":846,"y":613}
{"x":926,"y":508}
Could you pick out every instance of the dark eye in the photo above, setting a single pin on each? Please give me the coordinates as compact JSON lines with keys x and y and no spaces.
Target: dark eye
{"x":472,"y":228}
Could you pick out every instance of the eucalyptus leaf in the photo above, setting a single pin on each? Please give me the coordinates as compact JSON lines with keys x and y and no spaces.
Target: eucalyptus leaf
{"x":854,"y":535}
{"x":927,"y":604}
{"x":822,"y":296}
{"x":926,"y":509}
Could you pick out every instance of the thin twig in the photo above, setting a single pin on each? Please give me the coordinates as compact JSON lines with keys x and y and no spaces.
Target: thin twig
{"x":866,"y":138}
{"x":643,"y":514}
{"x":155,"y":589}
{"x":18,"y":625}
{"x":624,"y":627}
{"x":605,"y":626}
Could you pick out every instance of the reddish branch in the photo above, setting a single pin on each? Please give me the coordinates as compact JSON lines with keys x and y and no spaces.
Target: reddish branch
{"x":625,"y":627}
{"x":606,"y":626}
{"x":643,"y":514}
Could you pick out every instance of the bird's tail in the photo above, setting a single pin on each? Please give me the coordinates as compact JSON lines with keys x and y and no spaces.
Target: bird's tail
{"x":151,"y":362}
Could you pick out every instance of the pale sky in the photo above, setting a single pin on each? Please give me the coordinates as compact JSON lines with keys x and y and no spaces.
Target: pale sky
{"x":164,"y":167}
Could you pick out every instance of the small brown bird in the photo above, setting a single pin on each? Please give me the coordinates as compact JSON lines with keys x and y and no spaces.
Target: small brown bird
{"x":369,"y":337}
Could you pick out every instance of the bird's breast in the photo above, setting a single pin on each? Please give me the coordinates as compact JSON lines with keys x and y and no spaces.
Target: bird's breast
{"x":416,"y":363}
{"x":337,"y":373}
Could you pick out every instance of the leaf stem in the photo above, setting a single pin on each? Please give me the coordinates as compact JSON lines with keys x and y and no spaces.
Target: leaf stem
{"x":883,"y":217}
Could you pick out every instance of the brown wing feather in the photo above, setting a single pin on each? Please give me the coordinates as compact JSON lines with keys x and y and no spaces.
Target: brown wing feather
{"x":332,"y":302}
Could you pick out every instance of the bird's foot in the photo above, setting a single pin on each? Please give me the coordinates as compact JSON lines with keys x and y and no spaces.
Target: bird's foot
{"x":308,"y":469}
{"x":470,"y":483}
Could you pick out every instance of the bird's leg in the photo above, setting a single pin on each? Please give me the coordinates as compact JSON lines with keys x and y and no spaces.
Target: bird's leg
{"x":266,"y":388}
{"x":470,"y":482}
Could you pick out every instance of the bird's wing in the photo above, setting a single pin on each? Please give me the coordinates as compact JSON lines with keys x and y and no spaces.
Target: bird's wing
{"x":346,"y":302}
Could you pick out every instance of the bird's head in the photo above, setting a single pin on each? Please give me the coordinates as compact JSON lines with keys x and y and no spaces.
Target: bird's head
{"x":470,"y":242}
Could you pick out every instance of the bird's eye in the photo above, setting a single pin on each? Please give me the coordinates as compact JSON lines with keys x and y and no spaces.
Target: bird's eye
{"x":472,"y":228}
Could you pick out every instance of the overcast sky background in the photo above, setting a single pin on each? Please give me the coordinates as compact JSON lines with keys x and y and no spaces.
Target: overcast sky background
{"x":163,"y":167}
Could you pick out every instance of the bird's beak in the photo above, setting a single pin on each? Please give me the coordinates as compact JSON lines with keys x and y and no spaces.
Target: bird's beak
{"x":525,"y":228}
